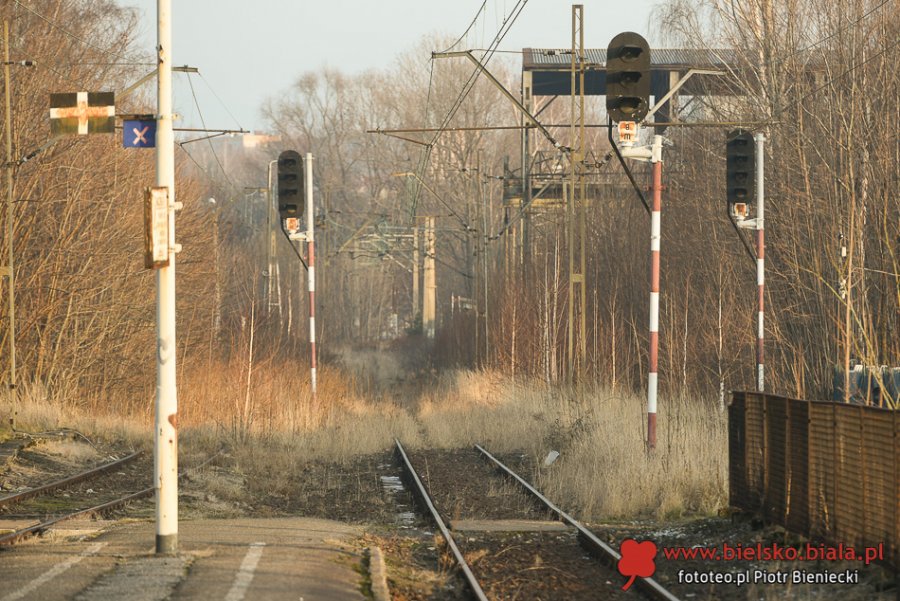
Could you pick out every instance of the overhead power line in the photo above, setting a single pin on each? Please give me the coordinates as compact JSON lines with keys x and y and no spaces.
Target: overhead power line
{"x":468,"y":29}
{"x":464,"y":92}
{"x":209,"y":141}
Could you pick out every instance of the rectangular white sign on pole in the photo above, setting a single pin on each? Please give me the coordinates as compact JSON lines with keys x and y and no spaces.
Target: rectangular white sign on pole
{"x":156,"y":227}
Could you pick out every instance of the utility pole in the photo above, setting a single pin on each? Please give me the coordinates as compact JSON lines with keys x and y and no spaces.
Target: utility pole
{"x":415,"y":274}
{"x":165,"y":459}
{"x":519,"y":232}
{"x":217,"y":315}
{"x":429,"y":292}
{"x":10,"y":265}
{"x":485,"y":221}
{"x":273,"y":279}
{"x":575,"y":224}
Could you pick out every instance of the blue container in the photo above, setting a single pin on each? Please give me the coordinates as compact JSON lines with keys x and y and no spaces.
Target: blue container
{"x":891,"y":376}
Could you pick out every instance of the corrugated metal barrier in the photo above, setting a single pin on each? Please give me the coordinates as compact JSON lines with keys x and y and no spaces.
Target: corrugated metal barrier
{"x":830,"y":471}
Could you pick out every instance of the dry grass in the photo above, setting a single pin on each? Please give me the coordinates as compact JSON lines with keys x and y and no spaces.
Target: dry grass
{"x":604,"y":471}
{"x":269,"y":421}
{"x":277,"y":411}
{"x":39,"y":410}
{"x":217,"y":407}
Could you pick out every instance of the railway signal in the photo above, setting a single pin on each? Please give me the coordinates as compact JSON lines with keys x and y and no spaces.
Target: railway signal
{"x":740,"y":159}
{"x":290,"y":185}
{"x":628,"y":77}
{"x":745,"y":158}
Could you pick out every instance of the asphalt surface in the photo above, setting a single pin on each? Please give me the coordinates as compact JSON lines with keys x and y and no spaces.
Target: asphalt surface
{"x":296,"y":559}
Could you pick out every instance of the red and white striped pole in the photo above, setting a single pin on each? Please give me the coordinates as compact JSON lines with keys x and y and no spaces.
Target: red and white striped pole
{"x":311,"y":272}
{"x":655,"y":234}
{"x":760,"y":260}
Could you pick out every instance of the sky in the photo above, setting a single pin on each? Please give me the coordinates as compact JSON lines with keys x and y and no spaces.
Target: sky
{"x":250,"y":50}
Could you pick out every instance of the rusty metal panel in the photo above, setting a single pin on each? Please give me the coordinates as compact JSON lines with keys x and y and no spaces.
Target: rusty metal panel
{"x":879,"y":497}
{"x":754,"y":450}
{"x":797,"y":504}
{"x":738,"y":491}
{"x":775,"y":500}
{"x":827,"y":470}
{"x":849,"y":468}
{"x":821,"y":470}
{"x":894,"y":544}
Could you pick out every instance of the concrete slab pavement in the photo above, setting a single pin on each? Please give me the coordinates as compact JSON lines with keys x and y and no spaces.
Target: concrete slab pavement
{"x":296,"y":559}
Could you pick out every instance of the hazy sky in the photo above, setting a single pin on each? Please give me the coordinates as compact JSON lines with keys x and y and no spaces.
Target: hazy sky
{"x":248,"y":50}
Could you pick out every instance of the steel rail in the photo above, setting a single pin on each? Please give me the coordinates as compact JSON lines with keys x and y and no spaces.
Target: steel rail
{"x":86,"y":475}
{"x":596,"y":546}
{"x":13,"y":537}
{"x":423,"y":496}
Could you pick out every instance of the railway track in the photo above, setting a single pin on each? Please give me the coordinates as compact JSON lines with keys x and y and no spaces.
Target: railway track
{"x":43,"y":507}
{"x":508,"y":539}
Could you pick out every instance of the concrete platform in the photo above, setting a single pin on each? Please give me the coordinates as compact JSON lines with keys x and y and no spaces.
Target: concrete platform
{"x":296,"y":559}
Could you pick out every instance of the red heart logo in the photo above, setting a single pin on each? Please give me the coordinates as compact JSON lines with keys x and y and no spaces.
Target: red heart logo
{"x":637,"y":560}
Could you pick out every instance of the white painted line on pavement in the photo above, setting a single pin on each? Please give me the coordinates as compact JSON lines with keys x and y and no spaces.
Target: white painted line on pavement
{"x":244,"y":576}
{"x":53,"y":573}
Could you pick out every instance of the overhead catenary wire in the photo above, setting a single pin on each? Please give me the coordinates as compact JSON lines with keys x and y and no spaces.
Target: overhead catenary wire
{"x":209,"y":141}
{"x":225,"y":106}
{"x":234,"y":189}
{"x":485,"y":59}
{"x":464,"y":92}
{"x":468,"y":29}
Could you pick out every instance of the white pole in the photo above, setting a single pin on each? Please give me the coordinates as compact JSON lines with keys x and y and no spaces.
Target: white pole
{"x":165,"y":459}
{"x":760,"y":260}
{"x":270,"y":237}
{"x":311,"y":250}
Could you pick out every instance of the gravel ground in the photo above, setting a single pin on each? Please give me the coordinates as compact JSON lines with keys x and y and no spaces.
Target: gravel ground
{"x":465,"y":486}
{"x":526,"y":566}
{"x":367,"y":490}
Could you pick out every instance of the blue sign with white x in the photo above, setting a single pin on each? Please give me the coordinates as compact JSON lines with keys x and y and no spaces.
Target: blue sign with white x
{"x":139,"y":133}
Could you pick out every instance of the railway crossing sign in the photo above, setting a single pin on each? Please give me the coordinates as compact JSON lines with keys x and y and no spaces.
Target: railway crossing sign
{"x":139,"y":133}
{"x":82,"y":113}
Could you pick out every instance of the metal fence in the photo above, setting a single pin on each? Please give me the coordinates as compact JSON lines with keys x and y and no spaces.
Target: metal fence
{"x":827,"y":470}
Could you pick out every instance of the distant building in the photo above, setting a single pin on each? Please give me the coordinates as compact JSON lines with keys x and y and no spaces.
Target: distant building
{"x":236,"y":153}
{"x":259,"y":140}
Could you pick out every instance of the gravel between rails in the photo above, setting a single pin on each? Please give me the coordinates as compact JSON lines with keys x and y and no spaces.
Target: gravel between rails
{"x":525,"y":566}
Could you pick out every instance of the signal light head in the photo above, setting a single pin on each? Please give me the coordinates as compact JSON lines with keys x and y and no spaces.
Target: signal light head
{"x":630,"y":53}
{"x":290,"y":184}
{"x":628,"y":77}
{"x":740,"y":156}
